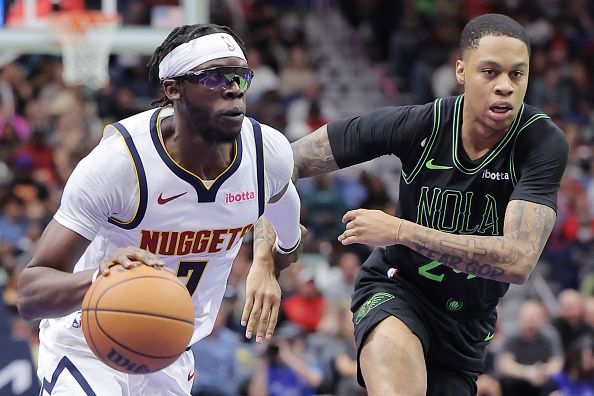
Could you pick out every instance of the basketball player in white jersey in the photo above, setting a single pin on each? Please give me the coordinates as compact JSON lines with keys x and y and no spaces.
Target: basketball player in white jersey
{"x":177,"y":186}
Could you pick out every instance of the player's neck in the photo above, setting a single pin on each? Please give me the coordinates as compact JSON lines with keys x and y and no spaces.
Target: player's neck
{"x":193,"y":152}
{"x":477,"y":138}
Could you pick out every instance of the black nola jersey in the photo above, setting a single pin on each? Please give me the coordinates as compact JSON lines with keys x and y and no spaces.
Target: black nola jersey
{"x":442,"y":188}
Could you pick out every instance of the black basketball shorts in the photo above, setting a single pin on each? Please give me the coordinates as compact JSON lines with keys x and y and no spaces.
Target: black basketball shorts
{"x":453,"y":346}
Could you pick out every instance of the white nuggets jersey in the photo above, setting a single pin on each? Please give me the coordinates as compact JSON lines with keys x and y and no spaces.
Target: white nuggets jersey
{"x":196,"y":227}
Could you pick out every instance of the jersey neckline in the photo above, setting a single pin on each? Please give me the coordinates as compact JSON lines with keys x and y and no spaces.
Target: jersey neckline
{"x":198,"y":183}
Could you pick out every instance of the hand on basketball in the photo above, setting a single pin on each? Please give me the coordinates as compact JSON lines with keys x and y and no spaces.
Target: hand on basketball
{"x":262,"y":302}
{"x":370,"y":227}
{"x":129,"y":257}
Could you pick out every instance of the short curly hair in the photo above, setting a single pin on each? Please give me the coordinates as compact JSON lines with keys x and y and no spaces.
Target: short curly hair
{"x":491,"y":25}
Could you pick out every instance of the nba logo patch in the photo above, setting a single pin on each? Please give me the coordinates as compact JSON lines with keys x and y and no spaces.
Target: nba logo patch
{"x":76,"y":323}
{"x":229,"y":43}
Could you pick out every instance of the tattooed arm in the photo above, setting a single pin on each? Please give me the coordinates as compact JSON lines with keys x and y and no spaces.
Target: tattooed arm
{"x":508,"y":258}
{"x":262,"y":291}
{"x":264,"y":237}
{"x":313,"y":155}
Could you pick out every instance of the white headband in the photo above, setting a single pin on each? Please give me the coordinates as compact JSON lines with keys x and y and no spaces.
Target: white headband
{"x":187,"y":56}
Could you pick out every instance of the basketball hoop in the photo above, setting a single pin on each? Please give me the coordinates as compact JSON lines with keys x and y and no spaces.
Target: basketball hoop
{"x":85,"y":61}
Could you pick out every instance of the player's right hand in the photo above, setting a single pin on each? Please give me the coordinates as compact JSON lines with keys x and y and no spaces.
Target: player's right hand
{"x":129,"y":257}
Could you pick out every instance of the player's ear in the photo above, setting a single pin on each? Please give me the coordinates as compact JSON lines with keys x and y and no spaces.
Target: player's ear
{"x":172,"y":89}
{"x":460,"y":71}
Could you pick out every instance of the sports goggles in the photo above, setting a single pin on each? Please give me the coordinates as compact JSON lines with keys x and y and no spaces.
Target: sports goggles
{"x":221,"y":77}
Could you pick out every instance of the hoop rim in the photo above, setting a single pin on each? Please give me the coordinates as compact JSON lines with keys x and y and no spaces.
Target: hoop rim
{"x":79,"y":21}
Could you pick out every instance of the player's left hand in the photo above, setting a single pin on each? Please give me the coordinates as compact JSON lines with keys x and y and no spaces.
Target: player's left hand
{"x":370,"y":227}
{"x":263,"y":296}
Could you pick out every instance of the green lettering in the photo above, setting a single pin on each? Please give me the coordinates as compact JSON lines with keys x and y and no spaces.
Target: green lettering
{"x":490,"y":219}
{"x":424,"y":271}
{"x":427,"y":210}
{"x":451,"y":200}
{"x":466,"y":228}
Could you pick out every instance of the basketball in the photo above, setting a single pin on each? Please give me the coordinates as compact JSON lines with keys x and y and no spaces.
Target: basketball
{"x":137,"y":320}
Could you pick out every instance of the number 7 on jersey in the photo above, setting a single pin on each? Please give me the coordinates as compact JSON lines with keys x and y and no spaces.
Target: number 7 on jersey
{"x":193,"y":270}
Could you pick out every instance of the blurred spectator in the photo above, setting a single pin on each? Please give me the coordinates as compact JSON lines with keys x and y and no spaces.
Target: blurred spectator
{"x":589,"y":310}
{"x":313,"y":120}
{"x":333,"y":346}
{"x":297,"y":75}
{"x":306,"y":307}
{"x":552,"y":94}
{"x":571,"y":323}
{"x":377,"y":194}
{"x":269,"y":109}
{"x":488,"y":386}
{"x":577,"y":376}
{"x":4,"y":318}
{"x":345,"y":360}
{"x":527,"y":360}
{"x":337,"y":282}
{"x":265,"y":79}
{"x":323,"y":208}
{"x":308,"y":112}
{"x":285,"y":367}
{"x":216,"y":356}
{"x":13,"y":221}
{"x":236,"y":282}
{"x":443,"y":80}
{"x":41,"y":155}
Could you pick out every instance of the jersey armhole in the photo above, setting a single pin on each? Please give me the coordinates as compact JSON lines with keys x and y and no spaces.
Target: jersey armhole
{"x":140,"y":180}
{"x":408,"y":178}
{"x":512,"y":163}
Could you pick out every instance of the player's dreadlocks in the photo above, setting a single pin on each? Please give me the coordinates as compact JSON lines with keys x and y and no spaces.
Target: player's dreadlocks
{"x":491,"y":25}
{"x":178,"y":36}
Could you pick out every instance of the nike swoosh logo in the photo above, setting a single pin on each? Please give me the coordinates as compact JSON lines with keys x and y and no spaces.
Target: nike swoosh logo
{"x":429,"y":164}
{"x":162,"y":200}
{"x":191,"y":375}
{"x":489,"y":336}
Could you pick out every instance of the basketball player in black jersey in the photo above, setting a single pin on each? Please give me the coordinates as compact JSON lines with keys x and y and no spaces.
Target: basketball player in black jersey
{"x":477,"y":203}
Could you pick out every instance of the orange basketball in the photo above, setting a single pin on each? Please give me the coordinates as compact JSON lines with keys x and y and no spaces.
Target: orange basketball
{"x":137,"y":320}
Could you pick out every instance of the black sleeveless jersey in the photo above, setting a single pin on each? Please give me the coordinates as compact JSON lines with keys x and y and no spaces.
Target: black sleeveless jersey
{"x":442,"y":188}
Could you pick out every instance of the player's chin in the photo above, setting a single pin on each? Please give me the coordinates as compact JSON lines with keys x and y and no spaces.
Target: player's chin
{"x":231,"y":122}
{"x":499,"y":120}
{"x":225,"y":135}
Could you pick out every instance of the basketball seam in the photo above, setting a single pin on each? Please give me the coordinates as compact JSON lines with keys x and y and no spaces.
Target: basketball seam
{"x":130,"y":349}
{"x":176,"y":282}
{"x":140,"y":313}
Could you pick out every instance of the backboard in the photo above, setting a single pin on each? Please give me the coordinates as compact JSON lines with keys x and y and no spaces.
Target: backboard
{"x":30,"y":33}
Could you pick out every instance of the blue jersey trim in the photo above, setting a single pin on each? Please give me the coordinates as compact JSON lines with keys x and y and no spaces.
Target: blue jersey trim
{"x":65,"y":363}
{"x":142,"y":184}
{"x":259,"y":165}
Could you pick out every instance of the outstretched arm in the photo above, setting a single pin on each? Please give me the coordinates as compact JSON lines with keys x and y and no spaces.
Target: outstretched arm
{"x":313,"y":155}
{"x":507,"y":258}
{"x":271,"y":255}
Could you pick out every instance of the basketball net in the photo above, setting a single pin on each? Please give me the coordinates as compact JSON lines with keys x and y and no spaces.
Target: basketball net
{"x":85,"y":61}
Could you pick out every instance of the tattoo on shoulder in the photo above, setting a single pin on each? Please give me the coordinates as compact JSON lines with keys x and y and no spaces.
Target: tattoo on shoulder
{"x":313,"y":155}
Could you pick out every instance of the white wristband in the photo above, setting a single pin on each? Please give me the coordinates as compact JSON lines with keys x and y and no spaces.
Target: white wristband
{"x":284,"y":251}
{"x":95,"y":275}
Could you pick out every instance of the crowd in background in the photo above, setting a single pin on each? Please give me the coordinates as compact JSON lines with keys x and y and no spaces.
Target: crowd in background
{"x":46,"y":128}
